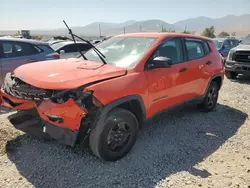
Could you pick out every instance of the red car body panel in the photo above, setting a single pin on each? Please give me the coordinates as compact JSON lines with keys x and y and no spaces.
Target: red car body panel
{"x":66,"y":74}
{"x":24,"y":104}
{"x":71,"y":113}
{"x":158,"y":88}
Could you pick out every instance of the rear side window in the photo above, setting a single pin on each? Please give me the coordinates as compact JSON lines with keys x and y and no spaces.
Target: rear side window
{"x":70,"y":48}
{"x":231,"y":43}
{"x":235,"y":42}
{"x":18,"y":49}
{"x":84,"y":47}
{"x":194,"y":49}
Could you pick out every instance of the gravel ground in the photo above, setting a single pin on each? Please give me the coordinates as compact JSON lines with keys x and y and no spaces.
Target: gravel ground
{"x":185,"y":148}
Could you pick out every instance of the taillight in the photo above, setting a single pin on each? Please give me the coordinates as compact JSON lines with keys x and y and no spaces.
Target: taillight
{"x":56,"y":55}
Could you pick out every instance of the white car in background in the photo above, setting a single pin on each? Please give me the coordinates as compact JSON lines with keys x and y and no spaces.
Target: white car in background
{"x":68,"y":49}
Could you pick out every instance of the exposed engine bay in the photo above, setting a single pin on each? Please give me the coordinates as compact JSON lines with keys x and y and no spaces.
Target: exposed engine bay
{"x":64,"y":115}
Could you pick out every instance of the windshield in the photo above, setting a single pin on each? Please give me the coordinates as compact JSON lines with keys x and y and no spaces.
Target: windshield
{"x":57,"y":46}
{"x":246,"y":40}
{"x":218,"y":43}
{"x":122,"y":51}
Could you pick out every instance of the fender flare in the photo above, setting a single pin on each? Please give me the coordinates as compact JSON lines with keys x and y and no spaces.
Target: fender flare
{"x":118,"y":102}
{"x":211,"y":79}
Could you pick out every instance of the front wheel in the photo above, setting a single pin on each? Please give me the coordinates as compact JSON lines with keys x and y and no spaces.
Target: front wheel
{"x":210,"y":101}
{"x":114,"y":138}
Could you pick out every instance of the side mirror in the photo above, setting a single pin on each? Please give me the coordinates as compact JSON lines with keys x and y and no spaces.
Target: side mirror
{"x":61,"y":52}
{"x":160,"y":62}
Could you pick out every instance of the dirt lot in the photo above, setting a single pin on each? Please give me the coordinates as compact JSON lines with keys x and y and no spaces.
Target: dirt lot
{"x":184,"y":148}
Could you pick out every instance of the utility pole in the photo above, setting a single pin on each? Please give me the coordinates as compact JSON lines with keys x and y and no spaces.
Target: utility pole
{"x":100,"y":30}
{"x":124,"y":30}
{"x":185,"y":29}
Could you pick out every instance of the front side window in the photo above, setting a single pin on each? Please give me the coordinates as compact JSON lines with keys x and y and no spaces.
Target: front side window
{"x":194,"y":49}
{"x":122,"y":51}
{"x":171,"y":49}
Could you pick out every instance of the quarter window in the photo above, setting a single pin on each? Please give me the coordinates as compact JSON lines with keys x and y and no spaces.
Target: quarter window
{"x":172,"y":49}
{"x":206,"y":47}
{"x":194,"y":49}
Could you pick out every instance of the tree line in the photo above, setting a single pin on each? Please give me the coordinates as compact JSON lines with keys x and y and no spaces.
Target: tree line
{"x":208,"y":32}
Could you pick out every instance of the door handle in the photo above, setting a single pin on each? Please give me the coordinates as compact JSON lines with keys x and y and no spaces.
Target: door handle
{"x":209,"y":62}
{"x":183,"y":70}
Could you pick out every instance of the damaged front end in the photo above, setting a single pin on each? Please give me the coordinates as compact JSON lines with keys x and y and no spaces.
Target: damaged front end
{"x":65,"y":115}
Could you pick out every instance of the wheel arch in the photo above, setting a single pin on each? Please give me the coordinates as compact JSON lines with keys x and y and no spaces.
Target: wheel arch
{"x":218,"y":78}
{"x":133,"y":103}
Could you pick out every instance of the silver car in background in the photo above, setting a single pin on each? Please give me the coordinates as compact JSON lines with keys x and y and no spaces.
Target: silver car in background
{"x":68,"y":49}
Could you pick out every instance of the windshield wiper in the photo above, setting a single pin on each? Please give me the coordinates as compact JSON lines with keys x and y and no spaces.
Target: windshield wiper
{"x":72,"y":35}
{"x":101,"y":56}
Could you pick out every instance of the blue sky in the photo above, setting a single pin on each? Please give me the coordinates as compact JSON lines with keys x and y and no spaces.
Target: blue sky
{"x":48,"y":14}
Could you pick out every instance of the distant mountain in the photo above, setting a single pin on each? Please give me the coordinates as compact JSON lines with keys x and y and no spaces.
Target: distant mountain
{"x":144,"y":26}
{"x":230,"y":23}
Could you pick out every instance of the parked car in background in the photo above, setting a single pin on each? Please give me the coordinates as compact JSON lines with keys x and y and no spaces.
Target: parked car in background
{"x":51,"y":42}
{"x":15,"y":52}
{"x":68,"y":49}
{"x":95,"y":41}
{"x":238,"y":59}
{"x":224,"y":45}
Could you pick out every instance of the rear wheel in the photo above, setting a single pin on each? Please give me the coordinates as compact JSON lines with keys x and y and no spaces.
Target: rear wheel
{"x":210,"y":101}
{"x":231,"y":74}
{"x":114,"y":138}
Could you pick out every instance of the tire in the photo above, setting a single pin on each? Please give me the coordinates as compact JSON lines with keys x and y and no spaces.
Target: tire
{"x":210,"y":101}
{"x":230,"y":74}
{"x":100,"y":139}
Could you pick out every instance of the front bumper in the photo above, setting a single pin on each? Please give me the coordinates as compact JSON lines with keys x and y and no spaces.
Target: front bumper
{"x":239,"y":67}
{"x":66,"y":115}
{"x":29,"y":121}
{"x":15,"y":103}
{"x":61,"y":122}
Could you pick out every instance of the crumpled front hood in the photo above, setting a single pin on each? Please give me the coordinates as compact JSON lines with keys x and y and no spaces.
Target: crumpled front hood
{"x":66,"y":73}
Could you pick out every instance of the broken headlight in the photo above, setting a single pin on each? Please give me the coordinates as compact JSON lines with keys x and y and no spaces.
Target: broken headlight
{"x":75,"y":94}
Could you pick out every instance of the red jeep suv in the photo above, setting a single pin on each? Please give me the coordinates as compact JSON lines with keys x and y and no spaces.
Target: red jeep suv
{"x":107,"y":94}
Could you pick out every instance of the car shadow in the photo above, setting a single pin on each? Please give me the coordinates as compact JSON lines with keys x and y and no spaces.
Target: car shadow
{"x":4,"y":110}
{"x":242,"y":79}
{"x":171,"y":142}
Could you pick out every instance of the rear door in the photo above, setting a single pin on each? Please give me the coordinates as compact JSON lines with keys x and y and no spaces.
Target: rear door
{"x":200,"y":62}
{"x":16,"y":54}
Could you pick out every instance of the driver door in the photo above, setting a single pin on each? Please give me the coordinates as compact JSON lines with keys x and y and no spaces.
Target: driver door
{"x":168,"y":86}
